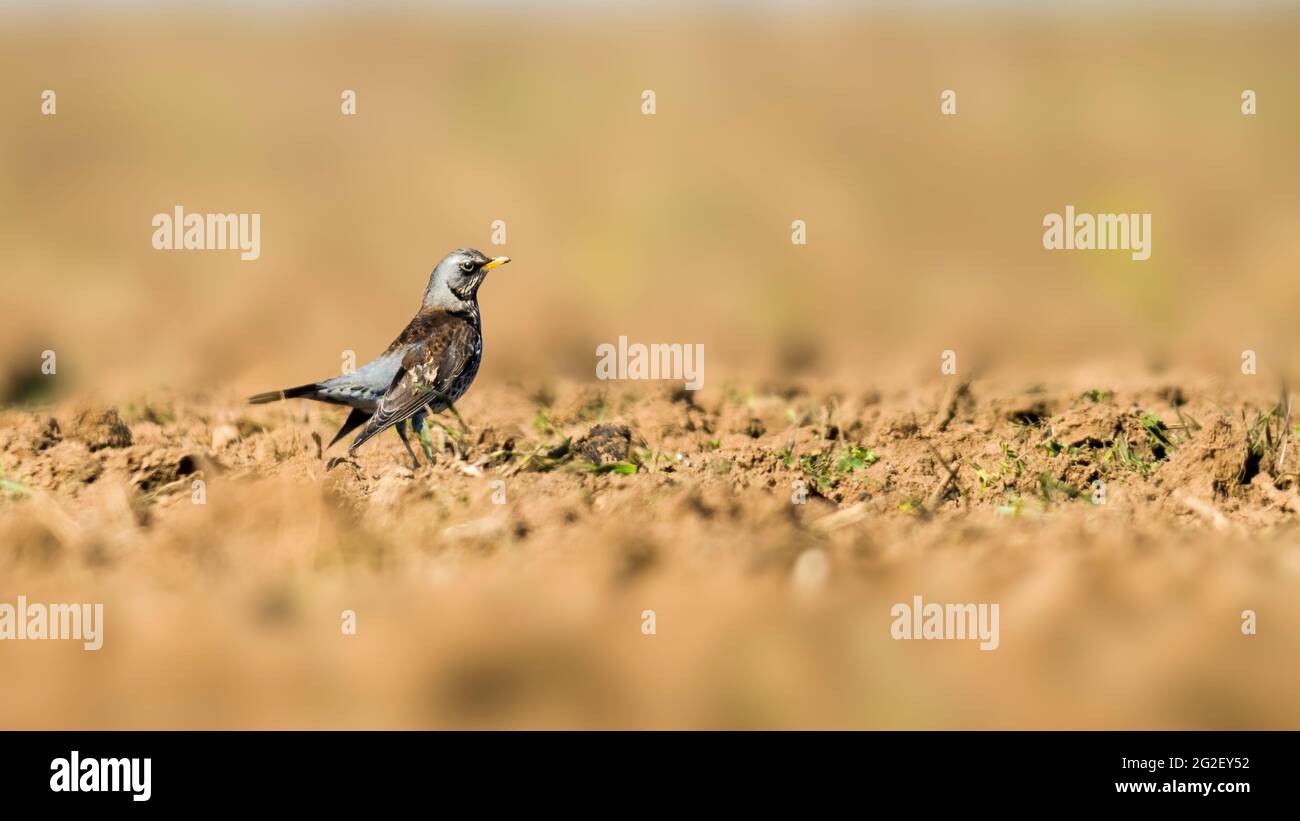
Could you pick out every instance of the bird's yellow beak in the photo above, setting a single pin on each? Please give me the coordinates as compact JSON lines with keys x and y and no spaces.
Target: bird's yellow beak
{"x":494,"y":263}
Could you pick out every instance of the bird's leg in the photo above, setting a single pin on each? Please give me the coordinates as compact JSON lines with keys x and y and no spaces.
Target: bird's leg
{"x":451,"y":406}
{"x":400,"y":427}
{"x":426,"y":444}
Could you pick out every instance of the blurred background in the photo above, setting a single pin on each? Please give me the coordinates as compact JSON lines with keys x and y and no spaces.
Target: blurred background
{"x":924,"y":231}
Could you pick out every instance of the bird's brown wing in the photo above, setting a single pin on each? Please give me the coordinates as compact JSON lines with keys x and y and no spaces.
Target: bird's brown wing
{"x":429,"y":369}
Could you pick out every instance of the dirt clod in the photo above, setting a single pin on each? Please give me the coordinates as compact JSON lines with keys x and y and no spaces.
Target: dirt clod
{"x":1213,"y":461}
{"x":48,"y":436}
{"x":223,"y":435}
{"x":100,"y":429}
{"x":1092,"y":425}
{"x":605,"y":444}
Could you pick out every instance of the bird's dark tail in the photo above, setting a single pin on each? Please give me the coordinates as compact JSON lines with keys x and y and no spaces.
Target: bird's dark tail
{"x":287,"y":393}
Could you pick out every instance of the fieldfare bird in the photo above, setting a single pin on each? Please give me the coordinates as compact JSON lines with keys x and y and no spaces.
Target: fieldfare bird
{"x":427,"y":368}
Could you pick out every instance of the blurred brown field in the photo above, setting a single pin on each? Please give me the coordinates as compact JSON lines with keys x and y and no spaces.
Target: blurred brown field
{"x":924,"y":231}
{"x":924,"y":234}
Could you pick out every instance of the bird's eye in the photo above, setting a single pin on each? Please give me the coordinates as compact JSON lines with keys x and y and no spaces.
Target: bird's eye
{"x":467,"y":267}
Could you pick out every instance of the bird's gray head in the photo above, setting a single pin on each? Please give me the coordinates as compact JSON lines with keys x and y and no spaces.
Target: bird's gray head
{"x":453,"y":285}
